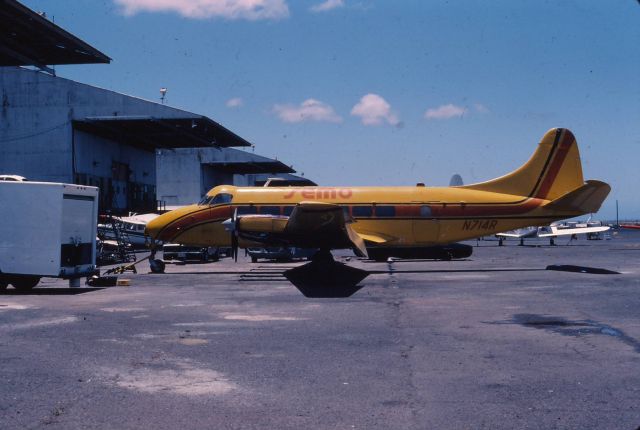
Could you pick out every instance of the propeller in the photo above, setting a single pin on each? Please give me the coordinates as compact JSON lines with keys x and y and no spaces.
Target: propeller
{"x":231,"y":225}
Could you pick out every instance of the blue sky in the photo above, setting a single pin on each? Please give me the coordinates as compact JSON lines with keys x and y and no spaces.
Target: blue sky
{"x":365,"y":92}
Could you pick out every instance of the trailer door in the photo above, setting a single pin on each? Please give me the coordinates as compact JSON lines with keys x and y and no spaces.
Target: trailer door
{"x":78,"y":233}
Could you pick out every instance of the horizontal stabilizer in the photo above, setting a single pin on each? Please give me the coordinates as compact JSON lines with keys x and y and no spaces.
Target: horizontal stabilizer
{"x":586,"y":199}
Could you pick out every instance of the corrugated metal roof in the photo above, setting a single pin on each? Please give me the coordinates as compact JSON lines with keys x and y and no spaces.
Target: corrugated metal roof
{"x":29,"y":39}
{"x":150,"y":133}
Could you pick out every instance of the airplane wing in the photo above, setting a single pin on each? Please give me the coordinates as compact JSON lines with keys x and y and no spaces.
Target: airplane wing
{"x":375,"y":238}
{"x":507,"y":234}
{"x":555,"y":231}
{"x":310,"y":225}
{"x":323,"y":225}
{"x":520,"y":233}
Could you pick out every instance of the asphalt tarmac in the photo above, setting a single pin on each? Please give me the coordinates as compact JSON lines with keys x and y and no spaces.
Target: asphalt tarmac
{"x":492,"y":342}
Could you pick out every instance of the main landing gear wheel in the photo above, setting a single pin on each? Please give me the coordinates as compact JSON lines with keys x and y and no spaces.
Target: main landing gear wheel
{"x":157,"y":266}
{"x":325,"y":278}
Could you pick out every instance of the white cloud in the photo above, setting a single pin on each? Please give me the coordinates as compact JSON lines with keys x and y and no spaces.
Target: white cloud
{"x":251,"y":10}
{"x":445,"y":112}
{"x":235,"y":102}
{"x":374,"y":110}
{"x":308,"y":110}
{"x":327,"y":5}
{"x":481,"y":108}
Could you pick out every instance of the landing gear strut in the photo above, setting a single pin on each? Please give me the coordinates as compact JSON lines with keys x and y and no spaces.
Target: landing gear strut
{"x":323,"y":277}
{"x":156,"y":265}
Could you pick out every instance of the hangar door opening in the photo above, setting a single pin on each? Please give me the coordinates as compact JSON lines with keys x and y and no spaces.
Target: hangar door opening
{"x":212,"y":177}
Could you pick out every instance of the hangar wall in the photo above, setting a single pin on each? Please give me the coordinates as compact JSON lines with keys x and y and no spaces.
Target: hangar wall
{"x":187,"y":174}
{"x":37,"y":139}
{"x":126,"y":175}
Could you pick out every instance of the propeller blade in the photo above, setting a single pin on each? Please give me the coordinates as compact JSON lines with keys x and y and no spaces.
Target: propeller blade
{"x":234,"y":246}
{"x":234,"y":235}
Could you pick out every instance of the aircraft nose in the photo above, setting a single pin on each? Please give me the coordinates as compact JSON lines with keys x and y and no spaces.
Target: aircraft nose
{"x":154,"y":227}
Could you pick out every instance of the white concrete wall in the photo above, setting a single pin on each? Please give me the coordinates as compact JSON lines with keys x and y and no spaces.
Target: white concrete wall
{"x":36,"y":116}
{"x":94,"y":155}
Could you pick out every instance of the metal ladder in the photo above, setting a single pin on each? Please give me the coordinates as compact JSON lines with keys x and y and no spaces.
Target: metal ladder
{"x":125,"y":252}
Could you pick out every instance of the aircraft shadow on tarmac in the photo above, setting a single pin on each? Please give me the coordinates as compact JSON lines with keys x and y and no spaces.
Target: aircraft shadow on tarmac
{"x":65,"y":291}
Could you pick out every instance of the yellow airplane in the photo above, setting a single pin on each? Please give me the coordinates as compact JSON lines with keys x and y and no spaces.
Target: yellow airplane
{"x":547,"y":188}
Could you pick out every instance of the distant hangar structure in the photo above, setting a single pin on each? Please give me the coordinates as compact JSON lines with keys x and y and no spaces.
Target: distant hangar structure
{"x":141,"y":154}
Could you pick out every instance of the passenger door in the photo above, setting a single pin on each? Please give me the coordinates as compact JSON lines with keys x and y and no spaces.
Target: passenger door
{"x":426,"y":227}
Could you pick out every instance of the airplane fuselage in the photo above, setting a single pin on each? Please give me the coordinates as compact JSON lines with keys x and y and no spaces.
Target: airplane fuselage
{"x":383,"y":216}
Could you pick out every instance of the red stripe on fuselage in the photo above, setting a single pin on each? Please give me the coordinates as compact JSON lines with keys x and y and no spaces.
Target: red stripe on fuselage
{"x":180,"y":225}
{"x":451,"y":210}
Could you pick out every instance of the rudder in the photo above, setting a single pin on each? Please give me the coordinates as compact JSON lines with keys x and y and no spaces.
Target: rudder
{"x":553,"y":170}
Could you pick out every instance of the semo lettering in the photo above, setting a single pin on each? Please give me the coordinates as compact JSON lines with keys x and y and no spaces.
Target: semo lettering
{"x":480,"y":224}
{"x":321,"y":193}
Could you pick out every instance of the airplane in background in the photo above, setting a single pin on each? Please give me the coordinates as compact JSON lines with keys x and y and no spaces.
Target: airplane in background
{"x":547,"y":188}
{"x":133,"y":227}
{"x":553,"y":231}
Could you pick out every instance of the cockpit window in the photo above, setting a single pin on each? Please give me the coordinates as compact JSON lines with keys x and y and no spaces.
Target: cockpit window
{"x":218,"y":199}
{"x":205,"y":200}
{"x":221,"y":198}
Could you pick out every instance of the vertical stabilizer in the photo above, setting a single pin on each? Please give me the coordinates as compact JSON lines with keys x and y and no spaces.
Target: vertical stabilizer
{"x":552,"y":171}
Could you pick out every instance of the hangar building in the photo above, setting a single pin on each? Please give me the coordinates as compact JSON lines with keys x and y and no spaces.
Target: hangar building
{"x":140,"y":153}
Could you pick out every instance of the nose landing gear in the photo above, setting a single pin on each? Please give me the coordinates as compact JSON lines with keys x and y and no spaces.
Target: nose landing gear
{"x":156,"y":265}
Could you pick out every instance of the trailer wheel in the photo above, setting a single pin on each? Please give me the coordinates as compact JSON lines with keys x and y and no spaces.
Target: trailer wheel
{"x":3,"y":284}
{"x":25,"y":283}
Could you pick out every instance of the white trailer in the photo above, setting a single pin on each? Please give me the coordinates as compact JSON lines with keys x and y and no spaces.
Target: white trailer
{"x":46,"y":229}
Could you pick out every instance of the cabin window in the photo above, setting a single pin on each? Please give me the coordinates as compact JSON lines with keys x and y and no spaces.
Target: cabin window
{"x":385,"y":211}
{"x":247,"y":210}
{"x":345,"y":212}
{"x":286,"y":211}
{"x":270,"y":210}
{"x":222,"y":198}
{"x":425,"y":211}
{"x":361,"y":211}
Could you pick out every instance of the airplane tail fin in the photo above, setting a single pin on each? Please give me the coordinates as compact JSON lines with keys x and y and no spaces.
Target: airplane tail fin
{"x":553,"y":170}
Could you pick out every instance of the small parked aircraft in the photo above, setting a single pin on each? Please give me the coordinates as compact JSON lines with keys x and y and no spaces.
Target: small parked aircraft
{"x":547,"y":188}
{"x":591,"y":229}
